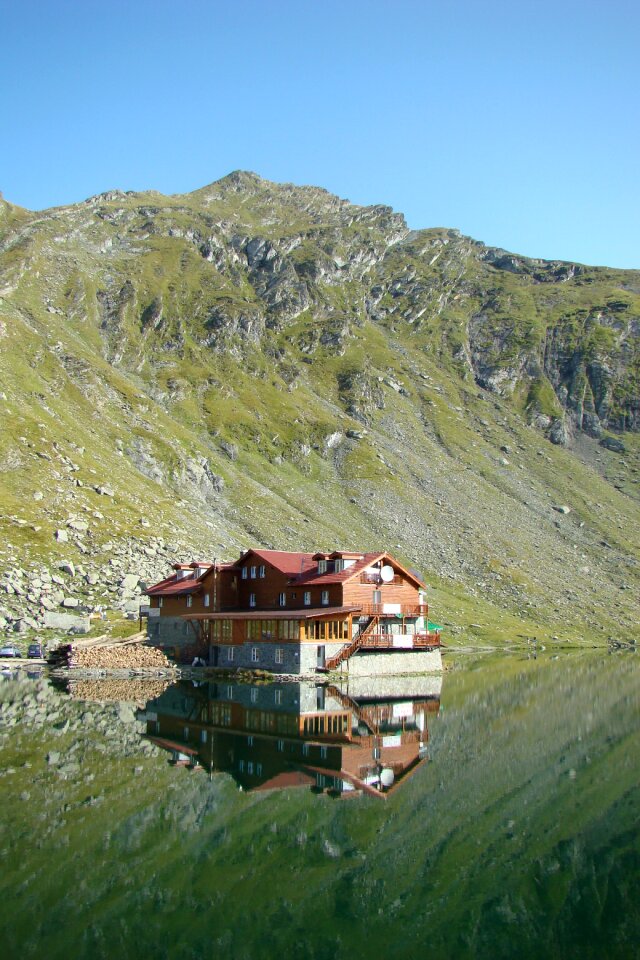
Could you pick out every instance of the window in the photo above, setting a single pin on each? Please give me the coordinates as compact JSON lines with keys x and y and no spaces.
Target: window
{"x":229,"y":692}
{"x":278,"y":696}
{"x":305,"y":749}
{"x":255,"y":654}
{"x":250,"y":739}
{"x":282,"y":599}
{"x":252,"y":599}
{"x":206,"y":599}
{"x":185,"y":733}
{"x":245,"y":573}
{"x":189,"y":601}
{"x":160,"y":599}
{"x":241,"y":765}
{"x":254,"y":694}
{"x":253,"y":572}
{"x":323,"y":753}
{"x":231,"y":653}
{"x":279,"y":654}
{"x":322,"y":566}
{"x":307,"y":598}
{"x":221,"y":631}
{"x":281,"y":746}
{"x":338,"y":566}
{"x":258,"y":769}
{"x":324,"y":598}
{"x":262,"y":571}
{"x":250,"y":766}
{"x":203,"y":736}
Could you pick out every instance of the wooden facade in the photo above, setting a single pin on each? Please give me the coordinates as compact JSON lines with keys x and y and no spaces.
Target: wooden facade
{"x":270,"y":602}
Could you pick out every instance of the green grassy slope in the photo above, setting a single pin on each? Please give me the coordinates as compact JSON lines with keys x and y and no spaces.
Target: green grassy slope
{"x":257,"y":363}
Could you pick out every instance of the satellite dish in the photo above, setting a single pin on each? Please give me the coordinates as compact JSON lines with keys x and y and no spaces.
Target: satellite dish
{"x":387,"y":776}
{"x":387,"y":574}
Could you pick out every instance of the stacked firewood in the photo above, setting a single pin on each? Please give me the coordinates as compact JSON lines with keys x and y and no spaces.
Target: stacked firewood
{"x":105,"y":653}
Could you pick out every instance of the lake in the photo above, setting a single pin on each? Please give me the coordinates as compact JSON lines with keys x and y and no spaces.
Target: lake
{"x":490,"y":812}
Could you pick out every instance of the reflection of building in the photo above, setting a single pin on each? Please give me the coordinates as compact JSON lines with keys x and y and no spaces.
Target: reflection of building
{"x":273,"y":736}
{"x":297,"y":613}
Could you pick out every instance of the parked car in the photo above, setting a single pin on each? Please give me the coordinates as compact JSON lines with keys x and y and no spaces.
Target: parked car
{"x":9,"y":651}
{"x":36,"y":651}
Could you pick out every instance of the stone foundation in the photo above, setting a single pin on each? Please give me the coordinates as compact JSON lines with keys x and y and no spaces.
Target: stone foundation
{"x":296,"y":658}
{"x":376,"y":663}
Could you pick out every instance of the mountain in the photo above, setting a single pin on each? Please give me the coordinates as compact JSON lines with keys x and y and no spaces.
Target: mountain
{"x":260,"y":363}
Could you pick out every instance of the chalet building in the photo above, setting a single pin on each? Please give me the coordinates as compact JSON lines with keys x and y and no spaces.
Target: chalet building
{"x":296,"y":613}
{"x":285,"y":735}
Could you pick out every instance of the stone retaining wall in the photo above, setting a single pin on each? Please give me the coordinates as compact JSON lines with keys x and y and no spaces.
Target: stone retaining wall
{"x":374,"y":663}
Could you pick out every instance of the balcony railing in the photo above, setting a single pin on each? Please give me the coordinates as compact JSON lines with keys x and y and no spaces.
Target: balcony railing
{"x":403,"y":641}
{"x":375,"y":577}
{"x":397,"y":609}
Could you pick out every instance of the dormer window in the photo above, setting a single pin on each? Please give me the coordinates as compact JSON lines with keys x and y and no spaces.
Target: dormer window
{"x":322,"y":566}
{"x":338,"y":565}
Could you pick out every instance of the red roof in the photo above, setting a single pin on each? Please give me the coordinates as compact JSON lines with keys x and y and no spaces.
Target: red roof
{"x":300,"y":568}
{"x":173,"y":587}
{"x":292,"y":564}
{"x":331,"y":576}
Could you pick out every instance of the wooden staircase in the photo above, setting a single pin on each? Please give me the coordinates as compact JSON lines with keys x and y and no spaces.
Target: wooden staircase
{"x":350,"y":648}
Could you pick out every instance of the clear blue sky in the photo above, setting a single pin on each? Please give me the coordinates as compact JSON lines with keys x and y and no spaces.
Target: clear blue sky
{"x":516,"y":122}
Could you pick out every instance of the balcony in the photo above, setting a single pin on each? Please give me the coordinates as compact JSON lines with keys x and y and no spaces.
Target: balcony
{"x":394,"y":609}
{"x":401,"y":641}
{"x":374,"y":577}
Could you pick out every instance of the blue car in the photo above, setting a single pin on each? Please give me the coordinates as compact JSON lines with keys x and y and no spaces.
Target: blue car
{"x":9,"y":651}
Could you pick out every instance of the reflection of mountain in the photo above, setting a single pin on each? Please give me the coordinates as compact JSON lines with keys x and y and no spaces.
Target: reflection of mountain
{"x":273,"y":736}
{"x":519,"y":838}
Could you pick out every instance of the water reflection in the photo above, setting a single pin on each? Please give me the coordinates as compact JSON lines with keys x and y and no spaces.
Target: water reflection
{"x":367,"y":739}
{"x":519,"y":839}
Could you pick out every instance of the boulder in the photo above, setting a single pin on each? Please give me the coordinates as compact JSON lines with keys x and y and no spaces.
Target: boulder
{"x":129,"y":582}
{"x":614,"y":444}
{"x":81,"y":526}
{"x":66,"y":621}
